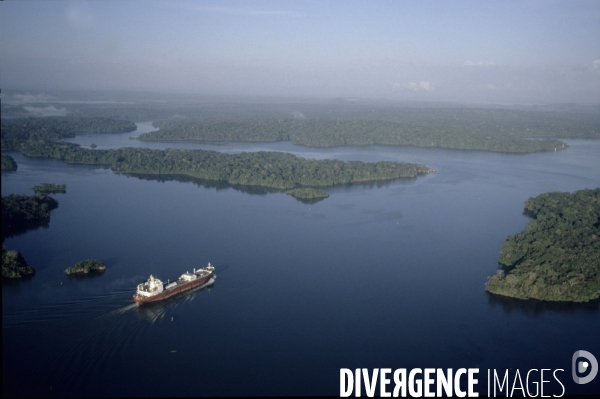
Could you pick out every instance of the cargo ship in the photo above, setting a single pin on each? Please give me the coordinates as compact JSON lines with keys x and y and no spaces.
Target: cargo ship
{"x":154,"y":289}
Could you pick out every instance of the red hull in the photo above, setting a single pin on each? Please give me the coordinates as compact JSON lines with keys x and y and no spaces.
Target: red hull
{"x":169,"y":293}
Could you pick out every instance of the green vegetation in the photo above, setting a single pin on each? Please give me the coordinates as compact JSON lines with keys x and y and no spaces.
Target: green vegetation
{"x":19,"y":214}
{"x":330,"y":133}
{"x":557,"y":256}
{"x":40,"y":137}
{"x":127,"y":112}
{"x":556,"y":121}
{"x":524,"y":122}
{"x":22,"y":212}
{"x":86,"y":266}
{"x":270,"y":169}
{"x":307,"y":193}
{"x":211,"y":184}
{"x":54,"y":128}
{"x":8,"y":163}
{"x":14,"y":265}
{"x":49,"y":188}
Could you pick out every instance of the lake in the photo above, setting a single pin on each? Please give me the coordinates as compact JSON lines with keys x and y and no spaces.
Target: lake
{"x":386,"y":274}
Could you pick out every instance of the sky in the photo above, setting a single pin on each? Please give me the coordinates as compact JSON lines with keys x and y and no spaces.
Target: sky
{"x":516,"y":52}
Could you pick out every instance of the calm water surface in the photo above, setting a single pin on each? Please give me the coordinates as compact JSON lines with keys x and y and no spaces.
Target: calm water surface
{"x":389,"y":274}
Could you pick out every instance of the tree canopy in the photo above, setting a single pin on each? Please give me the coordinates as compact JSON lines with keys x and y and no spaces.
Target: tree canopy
{"x":23,"y":212}
{"x":86,"y":266}
{"x":557,"y":256}
{"x":307,"y":193}
{"x":270,"y":169}
{"x":8,"y":163}
{"x":53,"y":128}
{"x":334,"y":132}
{"x":14,"y":265}
{"x":49,"y":188}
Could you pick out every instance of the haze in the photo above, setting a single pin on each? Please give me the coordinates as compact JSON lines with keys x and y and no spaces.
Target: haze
{"x":466,"y":51}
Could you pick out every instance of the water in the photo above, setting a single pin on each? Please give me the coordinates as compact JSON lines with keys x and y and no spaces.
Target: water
{"x":388,"y":274}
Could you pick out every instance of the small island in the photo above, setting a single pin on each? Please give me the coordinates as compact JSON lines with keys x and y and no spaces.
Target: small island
{"x":50,"y":188}
{"x":307,"y":193}
{"x":557,"y":256}
{"x":14,"y":265}
{"x":86,"y":266}
{"x":8,"y":163}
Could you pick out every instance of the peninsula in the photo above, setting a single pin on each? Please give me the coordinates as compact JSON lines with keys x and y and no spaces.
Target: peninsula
{"x":557,"y":256}
{"x":54,"y":128}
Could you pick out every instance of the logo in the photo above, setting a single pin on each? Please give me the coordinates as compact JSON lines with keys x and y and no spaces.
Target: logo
{"x":583,"y":366}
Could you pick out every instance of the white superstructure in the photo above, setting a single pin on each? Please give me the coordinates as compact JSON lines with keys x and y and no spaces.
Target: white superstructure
{"x":151,"y":287}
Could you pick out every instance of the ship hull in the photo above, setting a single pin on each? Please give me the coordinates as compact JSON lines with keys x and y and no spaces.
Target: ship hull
{"x":174,"y":291}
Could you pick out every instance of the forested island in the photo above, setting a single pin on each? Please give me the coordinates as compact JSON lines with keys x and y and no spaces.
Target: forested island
{"x":557,"y":256}
{"x":54,"y":128}
{"x":19,"y":214}
{"x":86,"y":266}
{"x":23,"y":212}
{"x":8,"y":163}
{"x":14,"y":265}
{"x":308,"y":193}
{"x":332,"y":132}
{"x":41,"y":137}
{"x":270,"y":169}
{"x":50,"y":188}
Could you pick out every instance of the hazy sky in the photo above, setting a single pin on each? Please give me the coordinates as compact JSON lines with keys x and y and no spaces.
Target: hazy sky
{"x":468,"y":51}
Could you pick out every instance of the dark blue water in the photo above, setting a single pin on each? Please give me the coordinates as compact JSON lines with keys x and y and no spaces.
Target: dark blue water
{"x":388,"y":274}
